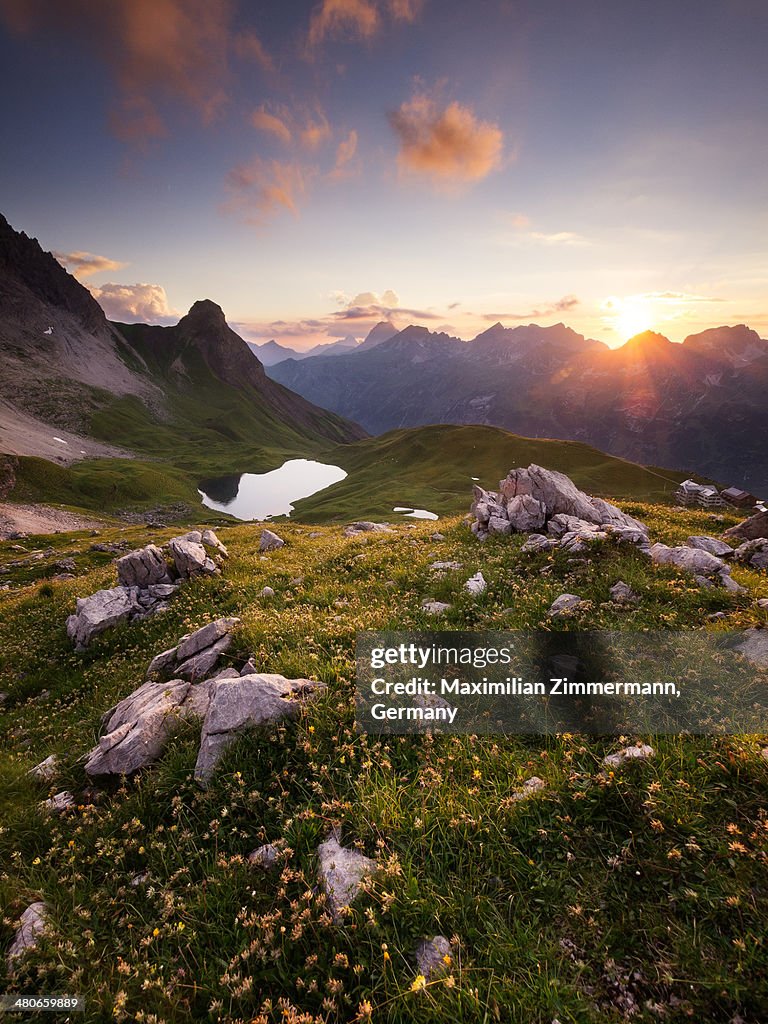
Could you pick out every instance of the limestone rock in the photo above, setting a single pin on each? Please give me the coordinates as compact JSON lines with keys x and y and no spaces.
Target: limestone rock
{"x":445,"y":566}
{"x":31,"y":927}
{"x":210,"y":540}
{"x":754,"y":646}
{"x":101,"y":611}
{"x":640,"y":752}
{"x":526,"y":513}
{"x":191,"y":559}
{"x":435,"y":607}
{"x":538,"y":542}
{"x":762,"y":602}
{"x":265,"y":857}
{"x":437,"y":536}
{"x":528,"y":789}
{"x":242,"y":703}
{"x":196,"y":654}
{"x":269,"y":541}
{"x":692,"y":560}
{"x":341,"y":871}
{"x":365,"y":527}
{"x":622,"y":593}
{"x":433,"y":957}
{"x":59,"y":803}
{"x":136,"y":731}
{"x":476,"y":584}
{"x":47,"y":769}
{"x":564,"y":605}
{"x":754,"y":528}
{"x":142,"y":567}
{"x":499,"y":526}
{"x":266,"y":592}
{"x":753,"y":553}
{"x":711,"y":544}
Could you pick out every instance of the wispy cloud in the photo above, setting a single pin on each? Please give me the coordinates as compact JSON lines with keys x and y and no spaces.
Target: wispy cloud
{"x":261,"y":188}
{"x":445,"y":144}
{"x":158,"y":50}
{"x":86,"y":264}
{"x":264,"y":120}
{"x":346,"y":164}
{"x":146,"y":303}
{"x":563,"y":305}
{"x":248,"y":46}
{"x":355,"y":20}
{"x":307,"y":127}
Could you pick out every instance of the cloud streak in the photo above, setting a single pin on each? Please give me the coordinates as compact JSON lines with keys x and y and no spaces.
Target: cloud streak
{"x":352,"y":20}
{"x":86,"y":264}
{"x":563,"y":305}
{"x":260,"y":189}
{"x":445,"y":144}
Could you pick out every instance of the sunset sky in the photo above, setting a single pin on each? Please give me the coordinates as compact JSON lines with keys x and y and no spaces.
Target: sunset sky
{"x":315,"y":167}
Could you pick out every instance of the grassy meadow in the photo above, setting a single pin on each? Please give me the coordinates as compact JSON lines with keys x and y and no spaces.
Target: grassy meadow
{"x":635,"y":894}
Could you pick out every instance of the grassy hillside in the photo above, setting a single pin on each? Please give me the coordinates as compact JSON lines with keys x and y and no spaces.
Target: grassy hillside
{"x":636,"y":894}
{"x":432,"y":468}
{"x":425,"y":467}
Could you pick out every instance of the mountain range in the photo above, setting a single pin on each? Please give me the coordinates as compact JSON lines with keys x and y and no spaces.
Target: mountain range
{"x":74,"y":384}
{"x":699,"y":405}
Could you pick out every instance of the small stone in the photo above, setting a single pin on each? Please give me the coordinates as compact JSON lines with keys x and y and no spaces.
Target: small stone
{"x":762,"y":602}
{"x":437,"y":536}
{"x":435,"y":607}
{"x":641,"y":752}
{"x":537,"y":542}
{"x":265,"y":857}
{"x":269,"y":541}
{"x":266,"y":592}
{"x":703,"y":582}
{"x":732,"y":586}
{"x":342,"y":871}
{"x":31,"y":927}
{"x":433,"y":957}
{"x":59,"y":803}
{"x":564,"y":605}
{"x":445,"y":566}
{"x":47,"y":769}
{"x":622,"y":593}
{"x":476,"y":584}
{"x":528,"y":789}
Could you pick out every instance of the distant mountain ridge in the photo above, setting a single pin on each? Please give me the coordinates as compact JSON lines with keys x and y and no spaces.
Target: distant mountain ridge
{"x":66,"y":368}
{"x":699,"y":405}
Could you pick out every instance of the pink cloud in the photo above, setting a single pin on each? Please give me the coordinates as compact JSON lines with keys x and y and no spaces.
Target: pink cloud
{"x":128,"y":303}
{"x":261,"y":188}
{"x":86,"y":264}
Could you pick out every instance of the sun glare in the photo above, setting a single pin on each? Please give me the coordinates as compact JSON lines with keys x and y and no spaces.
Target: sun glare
{"x":629,"y":317}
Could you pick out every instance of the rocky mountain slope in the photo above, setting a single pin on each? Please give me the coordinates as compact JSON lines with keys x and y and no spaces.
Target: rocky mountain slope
{"x":67,"y":368}
{"x":698,"y":406}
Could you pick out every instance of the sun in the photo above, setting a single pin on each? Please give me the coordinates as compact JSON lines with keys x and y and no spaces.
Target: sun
{"x":630,"y":316}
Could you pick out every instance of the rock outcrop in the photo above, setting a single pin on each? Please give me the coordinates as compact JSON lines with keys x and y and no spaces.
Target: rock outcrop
{"x":754,"y":528}
{"x":197,"y":654}
{"x":355,"y":529}
{"x":753,"y":553}
{"x":532,"y":499}
{"x":269,"y":541}
{"x":146,"y":582}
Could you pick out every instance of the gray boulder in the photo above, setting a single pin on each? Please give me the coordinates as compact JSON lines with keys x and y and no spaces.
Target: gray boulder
{"x":142,"y":567}
{"x":712,"y":545}
{"x":435,"y":607}
{"x":692,"y":560}
{"x":476,"y":584}
{"x":101,"y":611}
{"x":197,"y":654}
{"x":210,"y":540}
{"x":265,"y":857}
{"x":753,"y":553}
{"x":433,"y":957}
{"x":47,"y":769}
{"x":202,"y":664}
{"x":640,"y":752}
{"x":499,"y":526}
{"x":754,"y":646}
{"x":622,"y":593}
{"x":269,"y":541}
{"x":59,"y":803}
{"x":31,"y":927}
{"x":191,"y":559}
{"x":538,"y":542}
{"x":528,"y":789}
{"x":754,"y":528}
{"x":341,"y":871}
{"x":242,"y":703}
{"x":136,"y":731}
{"x":365,"y":526}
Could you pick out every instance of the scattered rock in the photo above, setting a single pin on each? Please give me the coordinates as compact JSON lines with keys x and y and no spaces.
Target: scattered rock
{"x":754,"y":646}
{"x":59,"y":803}
{"x":712,"y":545}
{"x":754,"y":528}
{"x":697,"y":561}
{"x":762,"y":602}
{"x":101,"y":611}
{"x":528,"y":789}
{"x":564,"y":605}
{"x":191,"y":558}
{"x":139,"y":879}
{"x":265,"y":857}
{"x":639,"y":752}
{"x":366,"y":527}
{"x":435,"y":607}
{"x":31,"y":927}
{"x":142,"y":567}
{"x":341,"y":871}
{"x":703,"y":582}
{"x":497,"y":525}
{"x":266,"y":592}
{"x":476,"y":584}
{"x":717,"y":617}
{"x":197,"y":654}
{"x":753,"y":553}
{"x":47,"y":769}
{"x":269,"y":541}
{"x":210,"y":540}
{"x":242,"y":703}
{"x":526,"y":513}
{"x":314,"y":534}
{"x":730,"y":584}
{"x":445,"y":566}
{"x":437,"y":536}
{"x":538,"y":542}
{"x":622,"y":593}
{"x":433,"y":957}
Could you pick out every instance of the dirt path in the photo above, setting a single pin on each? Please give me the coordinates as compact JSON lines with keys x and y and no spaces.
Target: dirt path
{"x":40,"y":519}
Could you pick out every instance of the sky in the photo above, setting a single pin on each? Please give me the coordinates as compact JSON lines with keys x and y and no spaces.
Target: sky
{"x":315,"y":167}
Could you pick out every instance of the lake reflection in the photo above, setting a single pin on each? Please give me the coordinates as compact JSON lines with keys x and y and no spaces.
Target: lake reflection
{"x":261,"y":495}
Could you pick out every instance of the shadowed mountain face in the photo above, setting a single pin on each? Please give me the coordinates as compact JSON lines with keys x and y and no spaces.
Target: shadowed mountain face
{"x":698,"y":406}
{"x":66,"y":368}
